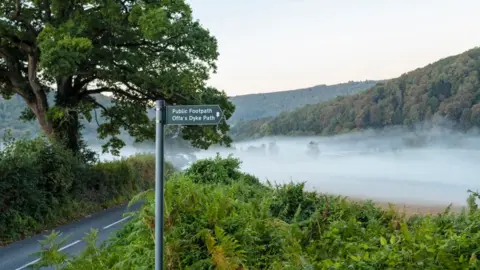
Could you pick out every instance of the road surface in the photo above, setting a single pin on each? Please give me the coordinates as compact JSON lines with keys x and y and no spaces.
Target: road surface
{"x":17,"y":256}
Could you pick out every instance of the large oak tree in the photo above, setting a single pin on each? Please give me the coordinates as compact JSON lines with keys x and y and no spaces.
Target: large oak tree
{"x":137,"y":51}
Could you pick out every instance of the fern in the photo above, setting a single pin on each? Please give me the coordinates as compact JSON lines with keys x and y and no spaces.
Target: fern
{"x":240,"y":225}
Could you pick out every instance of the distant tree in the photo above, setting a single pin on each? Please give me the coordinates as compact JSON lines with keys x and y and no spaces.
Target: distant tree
{"x":135,"y":50}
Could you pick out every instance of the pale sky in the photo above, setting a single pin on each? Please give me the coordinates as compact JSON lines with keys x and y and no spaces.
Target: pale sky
{"x":274,"y":45}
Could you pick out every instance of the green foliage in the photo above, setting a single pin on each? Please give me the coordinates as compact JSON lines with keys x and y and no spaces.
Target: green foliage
{"x":43,"y":184}
{"x":35,"y":178}
{"x":293,"y":203}
{"x":449,"y":89}
{"x":57,"y":56}
{"x":218,"y":170}
{"x":214,"y":224}
{"x":49,"y":251}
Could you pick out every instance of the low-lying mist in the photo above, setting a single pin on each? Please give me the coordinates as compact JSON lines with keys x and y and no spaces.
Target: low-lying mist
{"x":437,"y":166}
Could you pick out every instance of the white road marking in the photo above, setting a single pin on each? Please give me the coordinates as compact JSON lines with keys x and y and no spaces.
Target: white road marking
{"x":28,"y":264}
{"x":60,"y":249}
{"x":115,"y":223}
{"x":69,"y":245}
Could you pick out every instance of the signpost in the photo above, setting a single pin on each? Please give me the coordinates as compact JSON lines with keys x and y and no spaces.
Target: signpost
{"x":194,"y":115}
{"x":187,"y":115}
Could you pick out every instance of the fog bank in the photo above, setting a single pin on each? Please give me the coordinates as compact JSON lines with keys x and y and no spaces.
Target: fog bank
{"x":437,"y":166}
{"x":434,"y":166}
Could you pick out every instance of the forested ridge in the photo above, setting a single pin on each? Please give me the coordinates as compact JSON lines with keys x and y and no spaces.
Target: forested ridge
{"x":448,"y":88}
{"x":255,"y":106}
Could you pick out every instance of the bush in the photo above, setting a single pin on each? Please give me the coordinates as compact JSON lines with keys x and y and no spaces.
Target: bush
{"x":42,"y":184}
{"x":292,"y":202}
{"x":219,"y":170}
{"x":235,"y":225}
{"x":35,"y":178}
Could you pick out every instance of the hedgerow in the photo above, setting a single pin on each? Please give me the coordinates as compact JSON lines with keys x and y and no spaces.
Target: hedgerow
{"x":42,"y":185}
{"x":213,"y":224}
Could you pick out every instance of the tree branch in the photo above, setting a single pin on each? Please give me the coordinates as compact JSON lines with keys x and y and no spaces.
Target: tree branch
{"x":96,"y":117}
{"x":18,"y":7}
{"x":17,"y":16}
{"x":113,"y":90}
{"x":98,"y":104}
{"x":13,"y":74}
{"x":27,"y":46}
{"x":33,"y":78}
{"x":107,"y":112}
{"x":48,"y":10}
{"x":80,"y":83}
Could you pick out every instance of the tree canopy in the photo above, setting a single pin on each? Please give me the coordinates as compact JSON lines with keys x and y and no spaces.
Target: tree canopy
{"x":447,"y":89}
{"x":136,"y":51}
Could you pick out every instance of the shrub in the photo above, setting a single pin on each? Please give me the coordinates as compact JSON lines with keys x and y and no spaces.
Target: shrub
{"x":35,"y":178}
{"x":290,"y":201}
{"x":219,"y":170}
{"x":42,"y":184}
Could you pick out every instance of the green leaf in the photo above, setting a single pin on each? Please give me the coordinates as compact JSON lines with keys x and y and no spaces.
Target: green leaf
{"x":355,"y":258}
{"x":392,"y":240}
{"x":383,"y":241}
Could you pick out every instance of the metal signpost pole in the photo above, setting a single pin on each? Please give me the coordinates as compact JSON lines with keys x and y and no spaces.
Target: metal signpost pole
{"x":159,"y":186}
{"x":188,"y":115}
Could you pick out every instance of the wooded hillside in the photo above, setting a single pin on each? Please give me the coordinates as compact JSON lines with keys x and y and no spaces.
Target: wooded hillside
{"x":449,"y":88}
{"x":255,"y":106}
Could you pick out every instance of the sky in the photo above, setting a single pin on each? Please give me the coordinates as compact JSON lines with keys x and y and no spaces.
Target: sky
{"x":276,"y":45}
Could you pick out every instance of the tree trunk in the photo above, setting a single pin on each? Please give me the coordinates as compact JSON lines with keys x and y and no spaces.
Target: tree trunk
{"x":39,"y":103}
{"x":68,"y":127}
{"x":40,"y":112}
{"x":66,"y":130}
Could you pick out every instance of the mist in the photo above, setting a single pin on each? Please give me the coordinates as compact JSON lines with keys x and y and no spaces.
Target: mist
{"x":430,"y":166}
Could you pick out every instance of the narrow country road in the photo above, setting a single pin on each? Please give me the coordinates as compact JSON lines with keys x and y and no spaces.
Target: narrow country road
{"x":17,"y":256}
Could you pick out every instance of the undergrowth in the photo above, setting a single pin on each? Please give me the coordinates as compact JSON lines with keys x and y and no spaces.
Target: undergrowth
{"x":235,"y":222}
{"x":43,"y":185}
